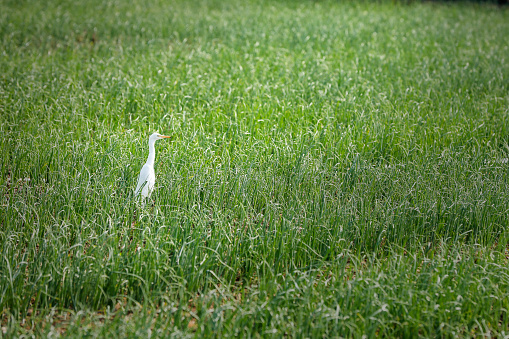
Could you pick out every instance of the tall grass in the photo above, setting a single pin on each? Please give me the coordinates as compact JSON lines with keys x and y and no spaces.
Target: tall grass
{"x":335,"y":169}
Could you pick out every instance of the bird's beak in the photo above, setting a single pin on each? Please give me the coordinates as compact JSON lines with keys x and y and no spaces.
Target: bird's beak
{"x":164,"y":136}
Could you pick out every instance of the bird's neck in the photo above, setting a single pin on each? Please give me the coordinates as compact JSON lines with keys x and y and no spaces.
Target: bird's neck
{"x":151,"y":153}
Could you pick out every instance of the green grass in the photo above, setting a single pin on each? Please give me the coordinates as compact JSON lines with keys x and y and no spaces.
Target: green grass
{"x":336,"y":169}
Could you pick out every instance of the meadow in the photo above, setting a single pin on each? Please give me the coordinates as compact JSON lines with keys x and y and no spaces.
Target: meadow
{"x":336,"y":169}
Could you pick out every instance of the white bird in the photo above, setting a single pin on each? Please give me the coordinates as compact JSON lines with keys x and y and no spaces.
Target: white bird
{"x":147,"y":177}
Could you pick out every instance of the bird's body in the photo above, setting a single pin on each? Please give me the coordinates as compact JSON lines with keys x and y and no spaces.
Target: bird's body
{"x":147,"y":178}
{"x":146,"y":181}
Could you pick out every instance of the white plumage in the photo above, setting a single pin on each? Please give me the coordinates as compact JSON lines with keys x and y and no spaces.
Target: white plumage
{"x":147,"y":178}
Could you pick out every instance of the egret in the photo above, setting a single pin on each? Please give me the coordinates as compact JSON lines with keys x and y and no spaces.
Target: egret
{"x":147,"y":177}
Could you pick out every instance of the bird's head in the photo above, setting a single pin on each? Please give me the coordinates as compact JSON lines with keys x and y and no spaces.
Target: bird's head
{"x":157,"y":136}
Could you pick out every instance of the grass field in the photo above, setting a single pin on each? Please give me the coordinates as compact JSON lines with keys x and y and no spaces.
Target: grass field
{"x":337,"y":169}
